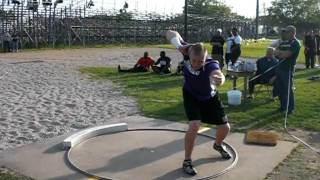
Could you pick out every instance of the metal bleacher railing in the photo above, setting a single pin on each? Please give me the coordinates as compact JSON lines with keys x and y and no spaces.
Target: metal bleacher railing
{"x":49,"y":24}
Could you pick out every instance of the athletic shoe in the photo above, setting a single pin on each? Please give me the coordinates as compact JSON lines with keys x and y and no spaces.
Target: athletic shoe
{"x":188,"y":168}
{"x":222,"y":150}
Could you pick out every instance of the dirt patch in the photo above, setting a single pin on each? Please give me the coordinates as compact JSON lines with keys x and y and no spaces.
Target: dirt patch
{"x":302,"y":163}
{"x":6,"y":174}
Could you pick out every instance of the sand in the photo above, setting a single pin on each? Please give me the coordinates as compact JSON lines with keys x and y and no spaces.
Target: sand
{"x":42,"y":93}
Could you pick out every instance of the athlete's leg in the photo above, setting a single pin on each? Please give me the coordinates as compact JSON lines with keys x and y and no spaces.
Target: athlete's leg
{"x":190,"y":137}
{"x":222,"y":132}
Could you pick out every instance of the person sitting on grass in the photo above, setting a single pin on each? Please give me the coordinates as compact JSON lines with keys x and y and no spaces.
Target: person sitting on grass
{"x":181,"y":65}
{"x":165,"y":64}
{"x":266,"y":69}
{"x":143,"y":64}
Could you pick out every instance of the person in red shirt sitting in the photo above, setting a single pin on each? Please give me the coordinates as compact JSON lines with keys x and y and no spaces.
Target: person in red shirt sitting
{"x":143,"y":64}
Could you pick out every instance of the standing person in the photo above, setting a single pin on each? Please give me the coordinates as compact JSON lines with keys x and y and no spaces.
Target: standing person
{"x":276,"y":43}
{"x":143,"y":64}
{"x":200,"y":98}
{"x":217,"y":43}
{"x":229,"y":43}
{"x":317,"y":35}
{"x":15,"y":42}
{"x":236,"y":46}
{"x":6,"y":42}
{"x":310,"y":49}
{"x":165,"y":64}
{"x":288,"y":53}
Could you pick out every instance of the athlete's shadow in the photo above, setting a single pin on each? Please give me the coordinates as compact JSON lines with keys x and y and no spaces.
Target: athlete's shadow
{"x":179,"y":174}
{"x":138,"y":157}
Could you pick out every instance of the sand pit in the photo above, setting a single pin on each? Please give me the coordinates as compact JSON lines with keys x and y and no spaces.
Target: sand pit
{"x":46,"y":96}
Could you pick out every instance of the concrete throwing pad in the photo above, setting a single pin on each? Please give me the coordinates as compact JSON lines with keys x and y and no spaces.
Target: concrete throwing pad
{"x":145,"y":155}
{"x":122,"y":155}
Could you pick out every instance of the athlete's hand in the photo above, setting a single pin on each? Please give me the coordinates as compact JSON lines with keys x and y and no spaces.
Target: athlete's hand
{"x":184,"y":49}
{"x":217,"y":77}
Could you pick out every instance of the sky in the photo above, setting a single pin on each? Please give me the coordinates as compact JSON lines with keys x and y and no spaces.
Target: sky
{"x":243,"y":7}
{"x":247,"y":7}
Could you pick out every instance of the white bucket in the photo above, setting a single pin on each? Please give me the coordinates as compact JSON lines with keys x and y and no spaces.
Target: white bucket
{"x":234,"y":97}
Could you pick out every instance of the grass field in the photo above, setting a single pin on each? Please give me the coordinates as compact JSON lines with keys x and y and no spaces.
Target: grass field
{"x":160,"y":97}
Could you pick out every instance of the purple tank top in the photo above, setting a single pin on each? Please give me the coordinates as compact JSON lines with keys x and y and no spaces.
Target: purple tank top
{"x":198,"y":82}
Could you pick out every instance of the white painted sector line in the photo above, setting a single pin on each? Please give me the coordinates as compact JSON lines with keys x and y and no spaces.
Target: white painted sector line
{"x":86,"y":134}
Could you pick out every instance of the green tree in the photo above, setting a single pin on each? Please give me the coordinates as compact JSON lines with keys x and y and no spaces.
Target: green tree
{"x":302,"y":13}
{"x":209,"y":8}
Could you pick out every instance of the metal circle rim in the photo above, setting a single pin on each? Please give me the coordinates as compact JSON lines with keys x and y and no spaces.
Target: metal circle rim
{"x":215,"y":175}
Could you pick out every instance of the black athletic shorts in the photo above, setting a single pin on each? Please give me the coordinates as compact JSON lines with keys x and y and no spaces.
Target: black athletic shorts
{"x":210,"y":111}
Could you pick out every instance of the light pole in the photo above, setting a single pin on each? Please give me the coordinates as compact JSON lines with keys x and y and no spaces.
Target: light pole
{"x":257,"y":20}
{"x":53,"y":24}
{"x":186,"y":20}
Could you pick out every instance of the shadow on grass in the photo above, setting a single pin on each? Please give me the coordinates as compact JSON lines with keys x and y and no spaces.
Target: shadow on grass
{"x":261,"y":121}
{"x":307,"y":73}
{"x":144,"y":81}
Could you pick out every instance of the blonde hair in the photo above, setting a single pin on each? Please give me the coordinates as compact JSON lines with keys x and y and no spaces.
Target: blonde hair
{"x":198,"y":49}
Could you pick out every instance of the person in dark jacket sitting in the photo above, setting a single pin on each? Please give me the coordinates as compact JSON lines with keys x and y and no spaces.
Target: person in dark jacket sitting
{"x":165,"y":64}
{"x":264,"y":64}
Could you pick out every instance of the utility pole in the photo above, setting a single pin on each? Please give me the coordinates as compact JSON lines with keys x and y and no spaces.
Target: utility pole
{"x":257,"y":20}
{"x":186,"y":20}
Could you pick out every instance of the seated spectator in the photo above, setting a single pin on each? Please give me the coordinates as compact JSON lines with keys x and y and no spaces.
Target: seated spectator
{"x":143,"y":64}
{"x":165,"y":64}
{"x":264,"y":74}
{"x":181,"y":65}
